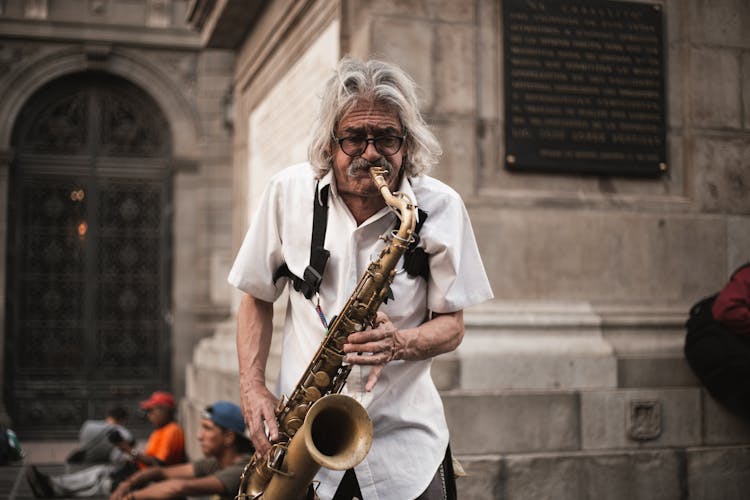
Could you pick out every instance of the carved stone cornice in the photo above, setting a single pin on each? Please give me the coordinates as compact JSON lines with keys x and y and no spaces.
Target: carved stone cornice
{"x":223,"y":24}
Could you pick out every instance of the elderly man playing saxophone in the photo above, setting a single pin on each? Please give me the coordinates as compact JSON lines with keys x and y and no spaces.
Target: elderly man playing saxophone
{"x":369,"y":119}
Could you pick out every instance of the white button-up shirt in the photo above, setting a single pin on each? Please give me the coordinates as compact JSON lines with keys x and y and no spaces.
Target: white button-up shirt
{"x":410,"y":431}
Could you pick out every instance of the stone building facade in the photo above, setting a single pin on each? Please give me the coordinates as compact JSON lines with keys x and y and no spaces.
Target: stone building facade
{"x":115,"y":162}
{"x":572,"y":382}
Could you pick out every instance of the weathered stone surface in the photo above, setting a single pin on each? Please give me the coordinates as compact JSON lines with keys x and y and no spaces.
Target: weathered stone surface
{"x":718,"y":473}
{"x":738,"y":242}
{"x":618,"y":257}
{"x":455,"y":82}
{"x":719,"y":22}
{"x":640,"y":418}
{"x":505,"y":423}
{"x":483,"y":478}
{"x":408,"y":43}
{"x":457,"y":138}
{"x":715,"y":92}
{"x":673,"y":371}
{"x":721,"y":174}
{"x":642,"y":475}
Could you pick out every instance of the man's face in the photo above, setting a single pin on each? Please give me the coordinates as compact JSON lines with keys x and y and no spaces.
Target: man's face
{"x":158,"y":416}
{"x":211,"y":438}
{"x":366,"y":120}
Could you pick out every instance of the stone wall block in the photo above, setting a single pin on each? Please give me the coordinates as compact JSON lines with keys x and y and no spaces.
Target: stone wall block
{"x":719,"y":22}
{"x":745,"y":61}
{"x":647,"y":371}
{"x":721,"y":171}
{"x":738,"y":242}
{"x":719,"y":473}
{"x":483,"y":423}
{"x":220,"y":62}
{"x":714,"y":77}
{"x":646,"y":475}
{"x":675,"y":19}
{"x":214,"y":85}
{"x":612,"y":256}
{"x":640,"y":418}
{"x":452,"y":11}
{"x":407,"y":43}
{"x":455,"y":69}
{"x":674,"y":179}
{"x":458,"y":166}
{"x":675,"y":64}
{"x":482,"y":480}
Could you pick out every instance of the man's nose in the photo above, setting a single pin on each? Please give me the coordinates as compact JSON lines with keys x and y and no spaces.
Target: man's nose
{"x":370,"y":153}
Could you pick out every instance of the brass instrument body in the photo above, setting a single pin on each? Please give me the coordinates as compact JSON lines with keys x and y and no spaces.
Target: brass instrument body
{"x":317,"y":426}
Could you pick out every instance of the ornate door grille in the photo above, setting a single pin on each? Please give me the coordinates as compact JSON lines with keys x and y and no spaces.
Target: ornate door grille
{"x":89,"y":250}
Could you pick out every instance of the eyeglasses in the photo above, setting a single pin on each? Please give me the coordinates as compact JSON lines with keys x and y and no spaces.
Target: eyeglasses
{"x":386,"y":145}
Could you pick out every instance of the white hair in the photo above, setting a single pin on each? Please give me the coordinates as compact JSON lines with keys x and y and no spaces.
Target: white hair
{"x":375,"y":81}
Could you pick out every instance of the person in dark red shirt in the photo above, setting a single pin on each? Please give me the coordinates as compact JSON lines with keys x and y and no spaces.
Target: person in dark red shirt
{"x":717,"y":345}
{"x":732,"y":305}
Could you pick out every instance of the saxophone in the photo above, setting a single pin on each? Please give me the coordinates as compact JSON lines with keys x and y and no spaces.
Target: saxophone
{"x":318,"y":427}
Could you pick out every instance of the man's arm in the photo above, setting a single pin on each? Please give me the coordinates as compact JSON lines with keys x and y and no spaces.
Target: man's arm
{"x":254,"y":331}
{"x":152,"y":474}
{"x":383,"y":343}
{"x":177,"y":488}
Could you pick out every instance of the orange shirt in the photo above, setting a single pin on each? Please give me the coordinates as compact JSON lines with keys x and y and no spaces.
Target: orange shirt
{"x":167,"y":444}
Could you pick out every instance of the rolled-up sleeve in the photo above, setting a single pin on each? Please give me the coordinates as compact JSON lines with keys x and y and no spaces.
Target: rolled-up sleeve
{"x":457,"y":276}
{"x":260,"y":253}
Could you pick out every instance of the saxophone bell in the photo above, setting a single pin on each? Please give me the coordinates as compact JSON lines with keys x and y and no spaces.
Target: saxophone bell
{"x":337,"y":434}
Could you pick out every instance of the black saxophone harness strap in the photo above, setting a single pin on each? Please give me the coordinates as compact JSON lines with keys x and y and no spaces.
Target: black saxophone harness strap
{"x":416,"y":261}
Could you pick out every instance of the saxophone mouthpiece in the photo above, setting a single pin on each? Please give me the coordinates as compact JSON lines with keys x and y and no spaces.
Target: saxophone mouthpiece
{"x":380,"y":175}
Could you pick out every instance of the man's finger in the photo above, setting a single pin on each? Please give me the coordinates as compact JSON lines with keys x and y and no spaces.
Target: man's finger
{"x":373,"y":377}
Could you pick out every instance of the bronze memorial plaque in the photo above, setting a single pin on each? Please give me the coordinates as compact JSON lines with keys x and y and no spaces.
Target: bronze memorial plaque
{"x":584,"y":87}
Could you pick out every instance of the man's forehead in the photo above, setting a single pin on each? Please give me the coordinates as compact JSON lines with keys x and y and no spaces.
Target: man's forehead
{"x":207,"y":422}
{"x":369,"y":114}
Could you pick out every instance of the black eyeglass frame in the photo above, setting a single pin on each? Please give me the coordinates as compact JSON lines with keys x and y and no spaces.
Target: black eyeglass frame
{"x":374,"y":141}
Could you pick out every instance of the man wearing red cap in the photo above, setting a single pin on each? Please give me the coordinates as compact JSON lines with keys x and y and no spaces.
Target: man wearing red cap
{"x":166,"y":444}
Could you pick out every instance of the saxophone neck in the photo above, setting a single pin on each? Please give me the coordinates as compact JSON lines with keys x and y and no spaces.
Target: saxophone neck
{"x":399,"y":202}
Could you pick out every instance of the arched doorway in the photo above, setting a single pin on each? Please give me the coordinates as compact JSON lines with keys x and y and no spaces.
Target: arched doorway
{"x":89,"y":254}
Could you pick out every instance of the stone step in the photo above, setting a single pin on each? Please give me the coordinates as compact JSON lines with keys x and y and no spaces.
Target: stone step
{"x":705,"y":473}
{"x":498,"y":422}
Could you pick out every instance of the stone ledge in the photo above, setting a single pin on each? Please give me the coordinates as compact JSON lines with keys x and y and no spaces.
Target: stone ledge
{"x":658,"y":474}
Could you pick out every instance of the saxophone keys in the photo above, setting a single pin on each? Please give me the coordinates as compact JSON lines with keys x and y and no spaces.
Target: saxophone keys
{"x":313,"y":394}
{"x":321,"y":380}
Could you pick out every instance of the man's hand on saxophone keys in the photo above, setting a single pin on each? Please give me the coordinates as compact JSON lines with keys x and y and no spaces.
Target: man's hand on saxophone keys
{"x":375,"y":346}
{"x":259,"y":412}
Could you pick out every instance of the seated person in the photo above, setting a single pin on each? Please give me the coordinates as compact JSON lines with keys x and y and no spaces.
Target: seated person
{"x":717,"y":345}
{"x":227,"y":451}
{"x":10,"y":447}
{"x":94,"y":439}
{"x":165,"y":446}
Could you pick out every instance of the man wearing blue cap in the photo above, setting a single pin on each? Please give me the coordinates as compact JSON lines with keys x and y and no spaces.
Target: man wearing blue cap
{"x":227,"y":451}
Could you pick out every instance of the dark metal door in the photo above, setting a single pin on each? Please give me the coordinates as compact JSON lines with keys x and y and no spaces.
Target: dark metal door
{"x":89,"y":254}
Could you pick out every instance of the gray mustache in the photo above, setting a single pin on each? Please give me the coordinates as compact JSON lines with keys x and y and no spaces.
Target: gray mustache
{"x":361,"y":166}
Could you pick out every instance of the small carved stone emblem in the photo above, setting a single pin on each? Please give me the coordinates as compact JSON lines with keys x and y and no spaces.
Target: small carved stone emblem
{"x":644,"y":419}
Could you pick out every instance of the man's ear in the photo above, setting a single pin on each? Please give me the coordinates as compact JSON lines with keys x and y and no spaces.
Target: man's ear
{"x":229,"y":438}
